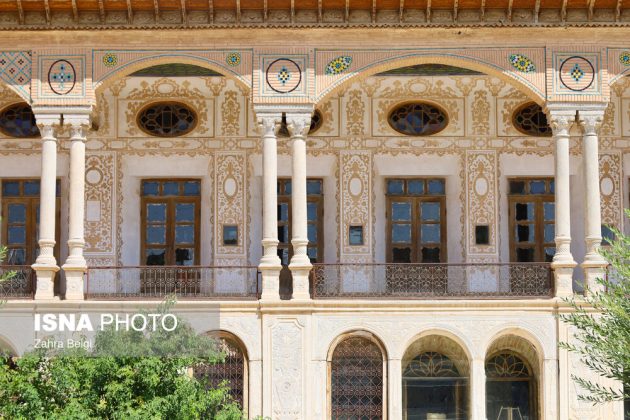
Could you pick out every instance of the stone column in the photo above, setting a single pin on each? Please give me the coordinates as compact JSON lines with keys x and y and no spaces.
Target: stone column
{"x":270,"y":265}
{"x":76,"y":266}
{"x":478,"y":389}
{"x":594,"y":264}
{"x":563,"y":263}
{"x":300,"y":266}
{"x":46,"y":265}
{"x":394,"y":386}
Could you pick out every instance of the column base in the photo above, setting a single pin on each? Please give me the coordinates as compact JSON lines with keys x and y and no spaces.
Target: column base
{"x":563,"y":277}
{"x":300,"y":275}
{"x":592,"y":272}
{"x":45,"y":284}
{"x":74,"y":282}
{"x":270,"y":282}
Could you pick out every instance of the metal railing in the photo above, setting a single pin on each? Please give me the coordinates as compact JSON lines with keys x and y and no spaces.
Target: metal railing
{"x":440,"y":281}
{"x":21,"y":284}
{"x":156,"y":282}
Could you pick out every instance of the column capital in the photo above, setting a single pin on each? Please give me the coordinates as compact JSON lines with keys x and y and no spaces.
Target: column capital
{"x":268,"y":124}
{"x":561,"y":120}
{"x":299,"y":124}
{"x":590,"y":119}
{"x":79,"y":124}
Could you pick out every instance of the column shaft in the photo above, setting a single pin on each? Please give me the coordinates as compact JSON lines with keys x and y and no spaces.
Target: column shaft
{"x":394,"y":385}
{"x":478,"y":389}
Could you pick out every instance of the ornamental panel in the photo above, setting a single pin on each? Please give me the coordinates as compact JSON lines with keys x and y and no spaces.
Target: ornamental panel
{"x":611,"y":192}
{"x":481,"y":202}
{"x":355,"y":192}
{"x":100,"y":203}
{"x":61,"y":77}
{"x":15,"y":70}
{"x":287,"y":365}
{"x":230,"y":204}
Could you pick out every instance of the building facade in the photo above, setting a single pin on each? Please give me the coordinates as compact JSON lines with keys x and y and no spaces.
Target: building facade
{"x":385,"y":204}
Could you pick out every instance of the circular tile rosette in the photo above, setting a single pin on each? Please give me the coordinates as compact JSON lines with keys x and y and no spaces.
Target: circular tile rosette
{"x":577,"y":73}
{"x":624,"y":58}
{"x":283,"y":75}
{"x":233,"y":59}
{"x":110,"y":60}
{"x":62,"y":77}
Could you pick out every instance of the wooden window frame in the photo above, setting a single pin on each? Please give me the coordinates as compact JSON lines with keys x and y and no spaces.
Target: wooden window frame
{"x":415,"y":200}
{"x":171,"y":201}
{"x":539,"y":223}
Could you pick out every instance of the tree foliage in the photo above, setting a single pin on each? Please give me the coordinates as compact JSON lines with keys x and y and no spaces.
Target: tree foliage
{"x":601,"y":321}
{"x":125,"y":375}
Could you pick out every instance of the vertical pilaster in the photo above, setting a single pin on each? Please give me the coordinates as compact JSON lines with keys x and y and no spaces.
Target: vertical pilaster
{"x":594,"y":264}
{"x":254,"y":408}
{"x":394,"y":386}
{"x":478,"y":389}
{"x":76,"y":266}
{"x":46,"y":265}
{"x":300,"y":266}
{"x":563,"y":263}
{"x":270,"y":265}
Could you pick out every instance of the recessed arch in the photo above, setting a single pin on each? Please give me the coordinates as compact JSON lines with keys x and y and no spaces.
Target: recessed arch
{"x":146,"y":62}
{"x":7,"y":348}
{"x":518,"y":331}
{"x":449,"y":333}
{"x":450,"y":59}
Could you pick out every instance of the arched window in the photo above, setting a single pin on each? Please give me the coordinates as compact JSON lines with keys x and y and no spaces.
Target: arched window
{"x":356,"y":380}
{"x":17,"y":120}
{"x":510,"y":388}
{"x":233,"y":370}
{"x":434,"y":388}
{"x":167,"y":119}
{"x":417,"y":119}
{"x":530,"y":119}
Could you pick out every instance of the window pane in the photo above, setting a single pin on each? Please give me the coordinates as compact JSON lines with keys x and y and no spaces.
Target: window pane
{"x":401,"y":255}
{"x":524,"y":211}
{"x":312,"y":254}
{"x":192,"y":188}
{"x":230,"y":235}
{"x":401,"y":211}
{"x":550,"y":232}
{"x":356,"y":235}
{"x":430,"y":211}
{"x":17,"y":213}
{"x":525,"y":233}
{"x":436,"y":186}
{"x":155,"y":256}
{"x":430,"y":255}
{"x":415,"y":186}
{"x":170,"y":188}
{"x":31,"y":188}
{"x":287,"y":187}
{"x":184,"y":256}
{"x":395,"y":186}
{"x":549,"y":211}
{"x":537,"y":187}
{"x":311,"y":211}
{"x":314,"y":187}
{"x":524,"y":255}
{"x":185,"y":212}
{"x":184,"y":234}
{"x":283,"y":212}
{"x":608,"y":236}
{"x":16,"y":235}
{"x":16,"y":256}
{"x":517,"y":187}
{"x":11,"y":189}
{"x":156,"y":212}
{"x":430,"y":233}
{"x":150,"y":188}
{"x":549,"y":253}
{"x":283,"y":234}
{"x":283,"y":254}
{"x":552,"y":187}
{"x":401,"y":233}
{"x":312,"y":233}
{"x":508,"y":399}
{"x":156,"y":234}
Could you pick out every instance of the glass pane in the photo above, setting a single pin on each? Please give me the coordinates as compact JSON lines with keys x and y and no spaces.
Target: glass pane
{"x":283,"y":212}
{"x":311,"y":211}
{"x":525,"y":233}
{"x":608,"y":236}
{"x":31,"y":188}
{"x":230,"y":235}
{"x":11,"y":189}
{"x":356,"y":235}
{"x":508,"y":400}
{"x":395,"y":186}
{"x":150,"y":188}
{"x":185,"y":212}
{"x":16,"y":235}
{"x":283,"y":234}
{"x":155,"y":256}
{"x":537,"y":187}
{"x":170,"y":188}
{"x":517,"y":187}
{"x":401,"y":211}
{"x":524,"y":255}
{"x":156,"y":212}
{"x":184,"y":256}
{"x":283,"y":254}
{"x":524,"y":211}
{"x":314,"y":187}
{"x":312,"y":233}
{"x":550,"y":232}
{"x":16,"y":256}
{"x":312,"y":254}
{"x":401,"y":255}
{"x":482,"y":235}
{"x":549,"y":253}
{"x":287,"y":187}
{"x":430,"y":255}
{"x":415,"y":186}
{"x":549,"y":211}
{"x":401,"y":233}
{"x":436,"y":186}
{"x":17,"y":213}
{"x":156,"y":234}
{"x":184,"y":234}
{"x":192,"y":188}
{"x":430,"y":212}
{"x":552,"y":187}
{"x":430,"y":233}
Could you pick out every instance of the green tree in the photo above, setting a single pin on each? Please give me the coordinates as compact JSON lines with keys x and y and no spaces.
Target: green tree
{"x":602,"y":324}
{"x":126,"y":375}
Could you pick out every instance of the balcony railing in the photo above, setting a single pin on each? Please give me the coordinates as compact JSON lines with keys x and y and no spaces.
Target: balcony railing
{"x":21,"y":285}
{"x":432,"y":281}
{"x":156,"y":282}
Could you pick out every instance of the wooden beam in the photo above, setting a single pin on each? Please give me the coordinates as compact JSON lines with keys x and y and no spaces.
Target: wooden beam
{"x":184,"y":14}
{"x":101,"y":11}
{"x":536,"y":11}
{"x":47,"y":10}
{"x":210,"y":11}
{"x":509,"y":12}
{"x":563,"y":11}
{"x":238,"y":11}
{"x":292,"y":11}
{"x":20,"y":12}
{"x":156,"y":10}
{"x":482,"y":11}
{"x":618,"y":11}
{"x":401,"y":11}
{"x":346,"y":14}
{"x":455,"y":9}
{"x":75,"y":11}
{"x":319,"y":11}
{"x":591,"y":6}
{"x":129,"y":12}
{"x":265,"y":10}
{"x":428,"y":15}
{"x":373,"y":11}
